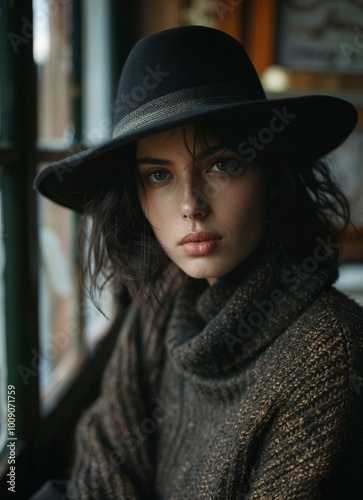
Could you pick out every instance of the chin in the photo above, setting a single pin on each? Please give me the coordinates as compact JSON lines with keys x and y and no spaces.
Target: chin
{"x":207,"y":272}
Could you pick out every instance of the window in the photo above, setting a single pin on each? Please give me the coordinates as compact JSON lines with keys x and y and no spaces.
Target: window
{"x":50,"y":332}
{"x":66,"y":117}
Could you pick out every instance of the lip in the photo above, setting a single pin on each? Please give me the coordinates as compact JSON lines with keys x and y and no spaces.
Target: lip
{"x":200,"y":243}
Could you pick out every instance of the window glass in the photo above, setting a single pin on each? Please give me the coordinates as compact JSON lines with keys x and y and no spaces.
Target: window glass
{"x":60,"y":342}
{"x":53,"y":55}
{"x":96,"y":319}
{"x":97,"y":322}
{"x":97,"y":120}
{"x":3,"y":367}
{"x":350,"y":280}
{"x":96,"y":78}
{"x":69,"y":323}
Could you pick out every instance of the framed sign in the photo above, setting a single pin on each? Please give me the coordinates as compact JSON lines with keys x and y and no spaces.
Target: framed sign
{"x":321,"y":35}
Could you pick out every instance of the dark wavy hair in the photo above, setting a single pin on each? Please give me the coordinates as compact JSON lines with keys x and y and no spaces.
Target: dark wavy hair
{"x":121,"y":248}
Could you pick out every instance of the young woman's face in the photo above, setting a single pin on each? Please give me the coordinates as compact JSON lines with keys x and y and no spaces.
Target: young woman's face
{"x":207,"y":209}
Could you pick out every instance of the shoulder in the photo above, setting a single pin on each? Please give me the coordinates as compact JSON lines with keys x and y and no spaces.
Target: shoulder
{"x":332,"y":317}
{"x":336,"y":320}
{"x":323,"y":349}
{"x":344,"y":325}
{"x":345,"y":311}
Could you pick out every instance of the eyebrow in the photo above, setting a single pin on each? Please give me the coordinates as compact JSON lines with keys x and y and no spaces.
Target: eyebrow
{"x":155,"y":161}
{"x":147,"y":160}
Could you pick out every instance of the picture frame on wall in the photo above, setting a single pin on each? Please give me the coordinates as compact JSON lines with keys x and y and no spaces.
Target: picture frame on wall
{"x":320,"y":35}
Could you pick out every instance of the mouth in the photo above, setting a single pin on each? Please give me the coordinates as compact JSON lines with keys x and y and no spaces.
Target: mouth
{"x":200,"y":243}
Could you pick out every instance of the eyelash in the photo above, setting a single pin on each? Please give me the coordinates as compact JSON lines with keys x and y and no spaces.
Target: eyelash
{"x":148,"y":176}
{"x":233,"y":166}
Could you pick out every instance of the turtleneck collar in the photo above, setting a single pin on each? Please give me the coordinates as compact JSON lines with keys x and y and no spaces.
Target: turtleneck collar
{"x":214,"y":331}
{"x":216,"y":296}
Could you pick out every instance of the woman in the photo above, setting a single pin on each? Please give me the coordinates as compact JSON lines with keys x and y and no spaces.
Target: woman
{"x":238,"y":372}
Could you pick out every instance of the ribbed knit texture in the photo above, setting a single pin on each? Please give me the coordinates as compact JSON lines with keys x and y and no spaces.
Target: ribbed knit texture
{"x":249,"y":389}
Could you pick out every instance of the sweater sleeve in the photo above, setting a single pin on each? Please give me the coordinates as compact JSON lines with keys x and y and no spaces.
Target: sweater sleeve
{"x":311,"y":444}
{"x":114,"y":438}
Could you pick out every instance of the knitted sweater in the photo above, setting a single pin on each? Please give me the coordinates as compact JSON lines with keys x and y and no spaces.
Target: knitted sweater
{"x":249,"y":389}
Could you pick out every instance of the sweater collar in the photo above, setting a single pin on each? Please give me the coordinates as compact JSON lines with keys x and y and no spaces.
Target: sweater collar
{"x":214,"y":331}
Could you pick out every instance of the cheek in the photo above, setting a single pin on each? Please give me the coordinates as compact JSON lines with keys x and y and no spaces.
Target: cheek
{"x":247,"y":207}
{"x":154,"y":209}
{"x":144,"y":202}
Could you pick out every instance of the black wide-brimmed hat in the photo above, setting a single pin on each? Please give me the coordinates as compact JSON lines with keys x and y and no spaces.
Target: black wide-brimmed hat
{"x":190,"y":74}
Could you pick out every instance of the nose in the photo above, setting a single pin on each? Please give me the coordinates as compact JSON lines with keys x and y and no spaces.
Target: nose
{"x":195,"y":203}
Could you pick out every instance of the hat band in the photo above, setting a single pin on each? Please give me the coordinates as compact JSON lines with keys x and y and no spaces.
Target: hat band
{"x":178,"y":102}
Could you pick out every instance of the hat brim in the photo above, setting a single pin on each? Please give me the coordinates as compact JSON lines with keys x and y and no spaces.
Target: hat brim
{"x":306,"y":127}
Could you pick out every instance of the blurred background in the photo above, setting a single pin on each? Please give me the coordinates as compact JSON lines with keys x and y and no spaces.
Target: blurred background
{"x":59,"y":66}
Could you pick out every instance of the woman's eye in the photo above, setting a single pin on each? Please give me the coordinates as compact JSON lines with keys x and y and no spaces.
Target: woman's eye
{"x":231,"y":166}
{"x":157,"y":176}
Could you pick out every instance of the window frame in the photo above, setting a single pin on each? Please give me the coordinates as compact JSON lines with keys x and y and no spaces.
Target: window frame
{"x":20,"y":154}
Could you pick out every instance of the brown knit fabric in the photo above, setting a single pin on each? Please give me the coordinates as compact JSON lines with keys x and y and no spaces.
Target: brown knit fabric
{"x":249,"y":390}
